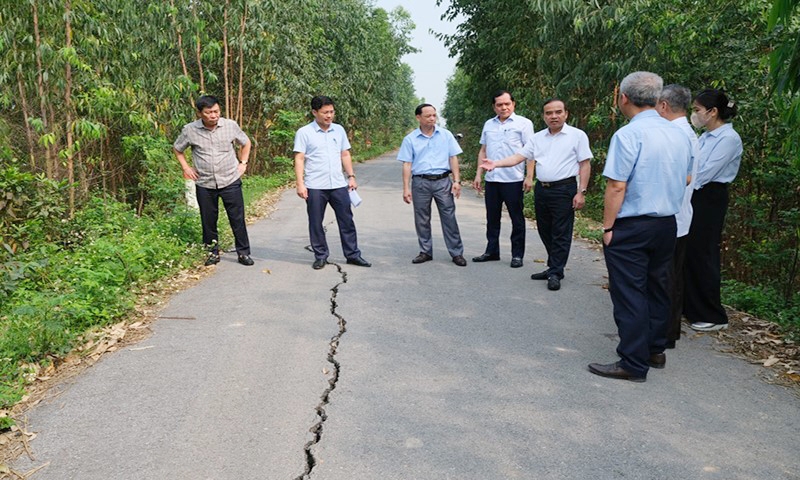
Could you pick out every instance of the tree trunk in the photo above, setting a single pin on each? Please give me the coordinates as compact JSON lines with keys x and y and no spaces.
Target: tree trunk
{"x":225,"y":59}
{"x":50,"y":165}
{"x":68,"y":108}
{"x":180,"y":49}
{"x":25,"y":116}
{"x":198,"y":49}
{"x":240,"y":96}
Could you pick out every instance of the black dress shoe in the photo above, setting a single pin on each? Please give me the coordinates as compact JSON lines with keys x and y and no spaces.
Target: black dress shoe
{"x":460,"y":261}
{"x":319,"y":263}
{"x":657,"y":360}
{"x":486,"y":258}
{"x":246,"y":260}
{"x":613,"y":370}
{"x":671,"y":344}
{"x":540,"y":276}
{"x":213,"y":259}
{"x":516,"y":262}
{"x":422,"y":258}
{"x":553,"y":283}
{"x":358,"y":261}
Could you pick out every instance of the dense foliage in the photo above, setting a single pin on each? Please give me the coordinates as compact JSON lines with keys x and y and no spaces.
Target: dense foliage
{"x":92,"y":94}
{"x":579,"y":50}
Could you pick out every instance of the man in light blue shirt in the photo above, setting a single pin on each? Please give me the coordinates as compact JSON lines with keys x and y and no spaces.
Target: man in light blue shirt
{"x":322,"y":151}
{"x":430,"y":155}
{"x":501,"y":137}
{"x":646,"y":168}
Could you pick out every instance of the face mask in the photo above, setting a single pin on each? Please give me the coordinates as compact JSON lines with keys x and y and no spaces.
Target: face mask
{"x":697,"y":120}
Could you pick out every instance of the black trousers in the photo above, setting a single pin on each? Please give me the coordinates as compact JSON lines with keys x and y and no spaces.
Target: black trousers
{"x":233,"y":201}
{"x":339,"y":200}
{"x":498,"y":193}
{"x":638,"y":260}
{"x":702,"y":274}
{"x":677,"y":291}
{"x":555,"y":218}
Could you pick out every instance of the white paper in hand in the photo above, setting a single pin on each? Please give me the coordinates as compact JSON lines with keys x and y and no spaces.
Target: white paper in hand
{"x":355,"y":199}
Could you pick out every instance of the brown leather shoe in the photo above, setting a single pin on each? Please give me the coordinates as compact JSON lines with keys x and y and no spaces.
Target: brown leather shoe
{"x":613,"y":370}
{"x":657,"y":360}
{"x":460,"y":260}
{"x":422,"y":258}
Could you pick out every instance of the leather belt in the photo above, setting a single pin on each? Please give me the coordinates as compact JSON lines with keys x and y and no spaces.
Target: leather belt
{"x":437,"y":176}
{"x":557,"y":182}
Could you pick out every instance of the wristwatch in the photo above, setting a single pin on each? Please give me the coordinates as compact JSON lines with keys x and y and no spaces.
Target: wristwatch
{"x":583,"y":191}
{"x":606,"y":230}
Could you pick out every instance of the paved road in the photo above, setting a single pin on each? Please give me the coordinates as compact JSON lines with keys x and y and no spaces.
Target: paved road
{"x":434,"y":372}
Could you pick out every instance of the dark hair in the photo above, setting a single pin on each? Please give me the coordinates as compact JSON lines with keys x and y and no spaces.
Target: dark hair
{"x":320,"y":101}
{"x":206,"y":101}
{"x":500,"y":93}
{"x":676,"y":96}
{"x":554,"y":99}
{"x":418,"y":110}
{"x":713,"y":98}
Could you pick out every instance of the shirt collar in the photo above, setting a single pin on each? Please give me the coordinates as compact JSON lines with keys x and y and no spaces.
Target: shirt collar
{"x":317,"y":128}
{"x":510,"y":118}
{"x":435,"y":129}
{"x":650,"y":112}
{"x":720,"y":130}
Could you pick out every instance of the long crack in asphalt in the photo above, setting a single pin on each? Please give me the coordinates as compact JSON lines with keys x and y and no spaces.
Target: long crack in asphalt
{"x":316,"y":429}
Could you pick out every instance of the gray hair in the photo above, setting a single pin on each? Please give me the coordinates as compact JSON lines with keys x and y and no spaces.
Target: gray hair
{"x":676,"y":96}
{"x":642,"y":88}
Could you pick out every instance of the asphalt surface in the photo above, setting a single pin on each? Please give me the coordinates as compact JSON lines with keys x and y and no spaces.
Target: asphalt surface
{"x":405,"y":372}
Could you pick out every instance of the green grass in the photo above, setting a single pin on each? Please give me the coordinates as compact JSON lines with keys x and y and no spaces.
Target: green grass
{"x":89,"y":279}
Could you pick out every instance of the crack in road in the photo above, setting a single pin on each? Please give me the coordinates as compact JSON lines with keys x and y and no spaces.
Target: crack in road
{"x":316,"y":429}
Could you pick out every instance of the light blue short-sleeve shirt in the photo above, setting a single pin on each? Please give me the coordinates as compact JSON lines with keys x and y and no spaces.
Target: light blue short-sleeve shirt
{"x":652,"y":155}
{"x":503,"y":139}
{"x":429,"y":155}
{"x":323,"y":155}
{"x":720,"y":156}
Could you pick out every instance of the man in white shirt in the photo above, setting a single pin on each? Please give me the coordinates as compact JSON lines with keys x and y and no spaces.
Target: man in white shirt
{"x":560,"y":153}
{"x":672,"y":105}
{"x":502,"y":136}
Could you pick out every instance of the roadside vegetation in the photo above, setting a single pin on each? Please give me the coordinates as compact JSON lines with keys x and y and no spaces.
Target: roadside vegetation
{"x":579,"y":51}
{"x":92,"y":96}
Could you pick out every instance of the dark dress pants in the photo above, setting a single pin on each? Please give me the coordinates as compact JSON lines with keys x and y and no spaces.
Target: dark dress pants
{"x":677,"y":291}
{"x":339,"y":200}
{"x":233,"y":201}
{"x":638,"y":260}
{"x":496,"y":195}
{"x":554,"y":219}
{"x":702,"y":274}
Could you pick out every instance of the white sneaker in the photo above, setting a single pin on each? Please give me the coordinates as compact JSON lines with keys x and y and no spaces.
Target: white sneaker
{"x":708,"y":327}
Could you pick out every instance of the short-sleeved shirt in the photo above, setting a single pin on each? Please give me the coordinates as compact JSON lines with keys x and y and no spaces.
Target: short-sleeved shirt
{"x":503,"y":139}
{"x":684,"y":216}
{"x":429,"y":155}
{"x":213,"y":153}
{"x":720,"y":156}
{"x":652,"y":156}
{"x":558,"y":155}
{"x":323,"y":155}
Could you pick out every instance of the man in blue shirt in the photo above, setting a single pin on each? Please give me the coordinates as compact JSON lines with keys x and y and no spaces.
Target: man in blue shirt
{"x":429,"y":155}
{"x":321,"y":152}
{"x":646,"y":169}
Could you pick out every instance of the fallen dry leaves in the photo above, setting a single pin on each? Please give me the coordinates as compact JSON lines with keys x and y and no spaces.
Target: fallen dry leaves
{"x":762,"y":342}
